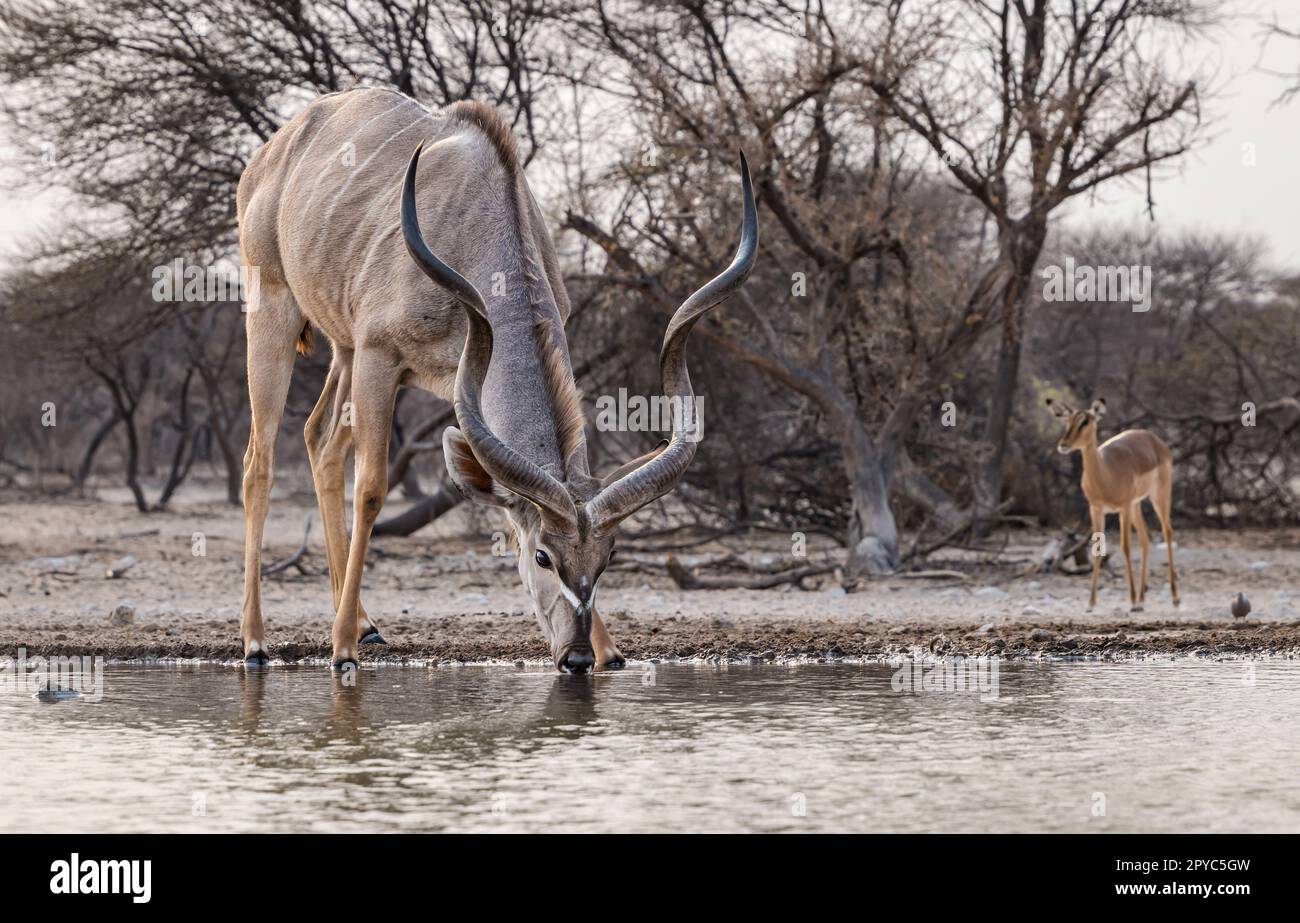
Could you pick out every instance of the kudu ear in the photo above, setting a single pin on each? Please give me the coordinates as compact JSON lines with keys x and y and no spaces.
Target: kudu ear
{"x":1098,"y":408}
{"x":1059,"y":408}
{"x":466,"y":472}
{"x":629,"y":467}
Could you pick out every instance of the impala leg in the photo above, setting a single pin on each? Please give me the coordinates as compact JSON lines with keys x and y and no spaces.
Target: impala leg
{"x":374,"y":387}
{"x":607,"y":652}
{"x":1162,"y":502}
{"x":272,"y":329}
{"x":328,"y":441}
{"x":1098,"y":528}
{"x":1126,"y":548}
{"x":1144,"y":542}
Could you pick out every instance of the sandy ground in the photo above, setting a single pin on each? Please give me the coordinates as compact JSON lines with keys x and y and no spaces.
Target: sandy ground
{"x":443,"y":596}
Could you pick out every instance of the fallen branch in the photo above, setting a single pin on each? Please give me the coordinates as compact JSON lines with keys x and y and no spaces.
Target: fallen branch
{"x":688,"y":580}
{"x":120,"y":567}
{"x":294,"y":560}
{"x":933,"y":575}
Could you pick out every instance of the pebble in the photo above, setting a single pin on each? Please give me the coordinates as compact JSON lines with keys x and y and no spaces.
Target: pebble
{"x":1041,"y":634}
{"x":122,"y":616}
{"x":991,"y":592}
{"x":1031,"y":610}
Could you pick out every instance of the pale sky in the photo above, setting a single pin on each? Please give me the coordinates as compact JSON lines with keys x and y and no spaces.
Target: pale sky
{"x":1211,"y":189}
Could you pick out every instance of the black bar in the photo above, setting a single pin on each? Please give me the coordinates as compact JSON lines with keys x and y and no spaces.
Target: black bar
{"x":1142,"y":871}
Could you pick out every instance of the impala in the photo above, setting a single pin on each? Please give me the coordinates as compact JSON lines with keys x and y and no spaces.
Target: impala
{"x":1117,"y":476}
{"x":325,"y":214}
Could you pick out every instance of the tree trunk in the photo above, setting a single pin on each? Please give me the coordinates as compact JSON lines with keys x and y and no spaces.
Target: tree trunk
{"x":180,"y":466}
{"x":88,"y":459}
{"x":1022,"y":251}
{"x":126,"y":405}
{"x":220,"y":426}
{"x":426,"y":511}
{"x":133,"y":461}
{"x":988,"y":486}
{"x":873,"y":535}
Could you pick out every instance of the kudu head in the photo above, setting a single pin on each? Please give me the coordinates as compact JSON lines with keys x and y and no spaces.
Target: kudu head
{"x":1081,"y":425}
{"x":565,"y":527}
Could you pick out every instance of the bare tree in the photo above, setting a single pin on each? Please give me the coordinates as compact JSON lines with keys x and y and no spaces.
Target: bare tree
{"x":1028,"y":105}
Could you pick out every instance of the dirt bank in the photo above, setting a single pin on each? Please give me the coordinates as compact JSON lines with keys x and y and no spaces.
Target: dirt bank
{"x":445,"y":597}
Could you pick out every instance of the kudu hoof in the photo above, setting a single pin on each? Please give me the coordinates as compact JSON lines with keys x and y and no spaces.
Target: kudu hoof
{"x":372,"y":637}
{"x":256,"y":659}
{"x":617,"y":663}
{"x":343,"y":664}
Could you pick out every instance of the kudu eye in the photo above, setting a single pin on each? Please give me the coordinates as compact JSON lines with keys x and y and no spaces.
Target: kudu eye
{"x":543,"y":559}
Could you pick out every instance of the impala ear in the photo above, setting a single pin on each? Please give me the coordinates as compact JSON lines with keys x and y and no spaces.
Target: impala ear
{"x":629,"y":467}
{"x":1098,"y":408}
{"x":1059,"y":408}
{"x":467,"y":474}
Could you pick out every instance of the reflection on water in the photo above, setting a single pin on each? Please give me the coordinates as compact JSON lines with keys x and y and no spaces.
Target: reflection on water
{"x":1082,"y":747}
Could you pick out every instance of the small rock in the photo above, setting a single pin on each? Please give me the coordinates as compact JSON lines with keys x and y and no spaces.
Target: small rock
{"x":474,"y":599}
{"x":120,"y":567}
{"x":991,"y":592}
{"x":122,"y":616}
{"x":1041,"y":634}
{"x":1260,"y":565}
{"x":983,"y":629}
{"x":1031,"y":610}
{"x":836,"y":591}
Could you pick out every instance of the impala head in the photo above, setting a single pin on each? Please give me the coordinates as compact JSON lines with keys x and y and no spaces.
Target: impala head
{"x":1081,"y":425}
{"x":564,"y":519}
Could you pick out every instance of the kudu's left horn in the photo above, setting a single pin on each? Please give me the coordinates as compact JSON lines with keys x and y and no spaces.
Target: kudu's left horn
{"x":506,"y":466}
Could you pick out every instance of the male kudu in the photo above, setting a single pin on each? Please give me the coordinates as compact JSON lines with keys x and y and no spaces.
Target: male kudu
{"x":319,"y":208}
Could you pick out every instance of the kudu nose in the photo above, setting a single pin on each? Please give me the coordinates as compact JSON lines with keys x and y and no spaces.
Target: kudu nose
{"x":578,"y":662}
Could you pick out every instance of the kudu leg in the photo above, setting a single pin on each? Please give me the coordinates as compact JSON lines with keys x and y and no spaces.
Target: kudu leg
{"x":329,"y":437}
{"x":1144,"y":542}
{"x":374,"y":388}
{"x":1095,"y":549}
{"x":272,"y":329}
{"x":607,"y":653}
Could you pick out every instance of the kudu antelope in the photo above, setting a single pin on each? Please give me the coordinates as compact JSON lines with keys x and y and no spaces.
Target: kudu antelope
{"x":1117,"y":476}
{"x":319,"y":208}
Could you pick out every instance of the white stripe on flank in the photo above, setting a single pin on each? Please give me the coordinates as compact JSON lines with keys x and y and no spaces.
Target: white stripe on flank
{"x":325,"y":171}
{"x":360,"y":168}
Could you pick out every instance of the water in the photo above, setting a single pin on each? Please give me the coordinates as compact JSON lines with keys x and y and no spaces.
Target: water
{"x":1174,"y":746}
